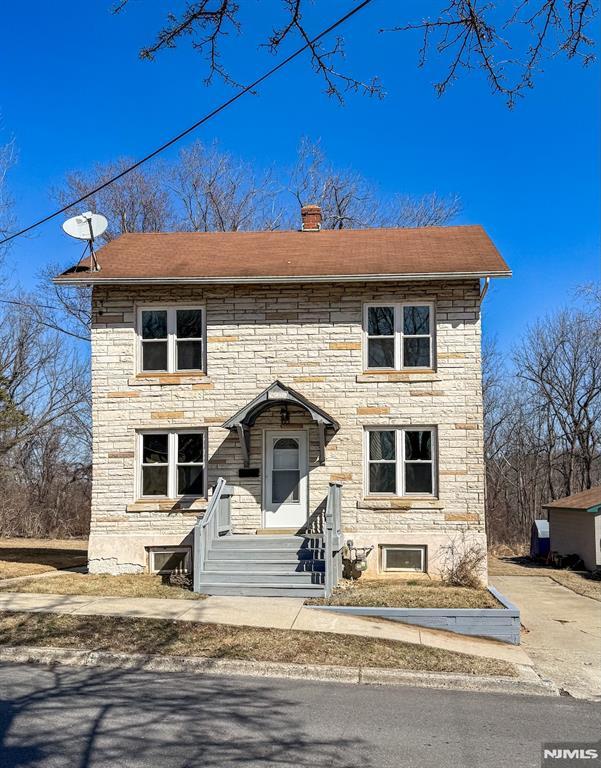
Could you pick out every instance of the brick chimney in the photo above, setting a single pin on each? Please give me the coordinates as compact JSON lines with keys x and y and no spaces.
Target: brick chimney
{"x":311,"y":218}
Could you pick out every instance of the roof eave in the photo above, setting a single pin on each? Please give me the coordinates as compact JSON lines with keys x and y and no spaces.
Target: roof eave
{"x":594,"y":509}
{"x":97,"y":279}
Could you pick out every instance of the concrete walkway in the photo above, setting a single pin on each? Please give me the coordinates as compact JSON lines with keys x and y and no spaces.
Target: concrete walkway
{"x":280,"y":613}
{"x":563,"y":631}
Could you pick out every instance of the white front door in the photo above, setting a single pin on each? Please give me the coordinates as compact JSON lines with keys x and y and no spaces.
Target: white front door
{"x":285,"y":491}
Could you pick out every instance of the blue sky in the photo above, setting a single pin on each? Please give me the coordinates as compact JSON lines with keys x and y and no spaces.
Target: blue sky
{"x":74,"y":92}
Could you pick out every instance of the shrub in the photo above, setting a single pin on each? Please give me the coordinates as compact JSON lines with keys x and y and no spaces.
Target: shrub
{"x":462,"y":563}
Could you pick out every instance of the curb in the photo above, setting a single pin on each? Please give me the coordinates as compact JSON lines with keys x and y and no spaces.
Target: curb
{"x":528,"y":683}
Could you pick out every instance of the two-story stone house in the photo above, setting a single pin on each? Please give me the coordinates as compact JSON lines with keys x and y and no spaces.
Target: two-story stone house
{"x":282,"y":362}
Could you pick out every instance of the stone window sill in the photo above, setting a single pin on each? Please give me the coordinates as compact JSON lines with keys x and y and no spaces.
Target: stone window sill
{"x":418,"y":375}
{"x":168,"y":505}
{"x":141,"y":379}
{"x":386,"y":504}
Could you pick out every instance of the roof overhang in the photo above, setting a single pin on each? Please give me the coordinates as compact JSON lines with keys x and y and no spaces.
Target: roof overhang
{"x":595,"y":509}
{"x":278,"y":394}
{"x":95,"y":278}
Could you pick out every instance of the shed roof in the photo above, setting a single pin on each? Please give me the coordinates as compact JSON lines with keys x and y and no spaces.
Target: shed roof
{"x":291,"y":256}
{"x":585,"y":501}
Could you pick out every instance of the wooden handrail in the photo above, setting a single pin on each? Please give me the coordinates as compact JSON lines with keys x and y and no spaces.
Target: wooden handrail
{"x":215,"y":522}
{"x":333,"y":538}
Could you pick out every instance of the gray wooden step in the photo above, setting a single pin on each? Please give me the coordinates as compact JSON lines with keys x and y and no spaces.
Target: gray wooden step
{"x":263,"y":590}
{"x":263,"y":554}
{"x":267,"y":542}
{"x":277,"y":565}
{"x":261,"y":577}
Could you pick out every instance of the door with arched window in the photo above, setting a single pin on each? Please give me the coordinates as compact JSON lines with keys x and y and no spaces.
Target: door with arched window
{"x":285,"y":487}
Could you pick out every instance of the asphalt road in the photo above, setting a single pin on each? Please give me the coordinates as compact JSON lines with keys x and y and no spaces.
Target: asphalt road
{"x":74,"y":718}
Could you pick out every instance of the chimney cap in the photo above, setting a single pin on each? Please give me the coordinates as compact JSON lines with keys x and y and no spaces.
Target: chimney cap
{"x":311,"y":218}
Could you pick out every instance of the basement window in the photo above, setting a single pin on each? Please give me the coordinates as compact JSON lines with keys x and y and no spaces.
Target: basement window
{"x":403,"y":558}
{"x":171,"y":339}
{"x":398,"y":336}
{"x":164,"y":560}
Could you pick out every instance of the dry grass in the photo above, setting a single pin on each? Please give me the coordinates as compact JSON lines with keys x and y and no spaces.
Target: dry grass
{"x":578,"y":582}
{"x":27,"y":557}
{"x":103,"y":585}
{"x":171,"y":638}
{"x":403,"y":594}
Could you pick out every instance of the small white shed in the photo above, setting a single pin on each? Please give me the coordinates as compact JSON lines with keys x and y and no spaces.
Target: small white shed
{"x":575,"y":526}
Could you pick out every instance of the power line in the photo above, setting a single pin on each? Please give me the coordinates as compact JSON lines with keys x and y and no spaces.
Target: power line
{"x":196,"y":125}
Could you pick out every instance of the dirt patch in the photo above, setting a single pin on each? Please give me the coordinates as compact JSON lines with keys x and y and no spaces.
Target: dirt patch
{"x":171,"y":638}
{"x":27,"y":557}
{"x":422,"y":594}
{"x":103,"y":585}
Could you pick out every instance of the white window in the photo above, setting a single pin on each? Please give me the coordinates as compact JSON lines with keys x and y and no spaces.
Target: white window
{"x":172,"y":463}
{"x":171,"y":339}
{"x":403,"y":558}
{"x":398,"y":336}
{"x":169,"y":559}
{"x":400,"y":461}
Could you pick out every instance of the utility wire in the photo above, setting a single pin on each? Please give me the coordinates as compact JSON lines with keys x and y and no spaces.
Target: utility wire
{"x":196,"y":125}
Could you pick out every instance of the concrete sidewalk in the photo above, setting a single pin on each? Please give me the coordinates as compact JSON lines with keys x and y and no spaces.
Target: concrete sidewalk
{"x":563,"y":631}
{"x":280,"y":613}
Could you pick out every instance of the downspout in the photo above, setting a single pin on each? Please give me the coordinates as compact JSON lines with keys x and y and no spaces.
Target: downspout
{"x":484,"y":290}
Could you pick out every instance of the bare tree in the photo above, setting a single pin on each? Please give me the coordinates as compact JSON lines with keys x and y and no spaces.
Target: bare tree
{"x":508,"y":44}
{"x":138,"y":202}
{"x":431,"y":210}
{"x":560,"y":364}
{"x":542,"y":420}
{"x":209,"y":24}
{"x":7,"y":160}
{"x":41,"y":381}
{"x":45,"y":487}
{"x":349,"y":201}
{"x":217,"y":192}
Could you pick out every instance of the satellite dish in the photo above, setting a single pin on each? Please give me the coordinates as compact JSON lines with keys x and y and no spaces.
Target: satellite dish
{"x":86,"y":226}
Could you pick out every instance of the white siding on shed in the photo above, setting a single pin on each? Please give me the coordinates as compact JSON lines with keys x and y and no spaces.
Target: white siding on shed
{"x":576,"y":532}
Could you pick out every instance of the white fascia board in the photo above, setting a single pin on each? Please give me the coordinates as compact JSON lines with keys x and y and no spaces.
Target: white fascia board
{"x":275,"y":279}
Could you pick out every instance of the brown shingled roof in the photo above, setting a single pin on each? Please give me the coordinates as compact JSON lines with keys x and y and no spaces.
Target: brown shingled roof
{"x":356,"y":254}
{"x":584,"y":500}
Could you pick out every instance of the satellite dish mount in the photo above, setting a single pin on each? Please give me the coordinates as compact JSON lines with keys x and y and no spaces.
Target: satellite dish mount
{"x":87,"y":226}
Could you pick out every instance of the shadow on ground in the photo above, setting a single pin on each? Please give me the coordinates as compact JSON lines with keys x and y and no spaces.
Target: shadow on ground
{"x":53,"y":557}
{"x":117,"y":718}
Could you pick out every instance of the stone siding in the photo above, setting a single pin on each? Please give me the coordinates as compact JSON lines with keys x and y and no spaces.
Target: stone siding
{"x":309,"y":337}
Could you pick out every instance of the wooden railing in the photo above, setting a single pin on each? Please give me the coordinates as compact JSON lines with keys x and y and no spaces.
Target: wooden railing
{"x":333,"y":539}
{"x":215,"y":522}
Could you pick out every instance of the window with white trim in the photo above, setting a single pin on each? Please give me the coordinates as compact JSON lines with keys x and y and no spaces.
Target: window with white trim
{"x":399,"y":336}
{"x":171,"y":339}
{"x":400,"y":461}
{"x":172,"y":463}
{"x":403,"y":558}
{"x":169,"y":560}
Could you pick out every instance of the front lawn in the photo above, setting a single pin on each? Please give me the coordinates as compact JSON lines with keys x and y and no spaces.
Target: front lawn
{"x":103,"y":585}
{"x":222,"y":641}
{"x":27,"y":557}
{"x":407,"y":594}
